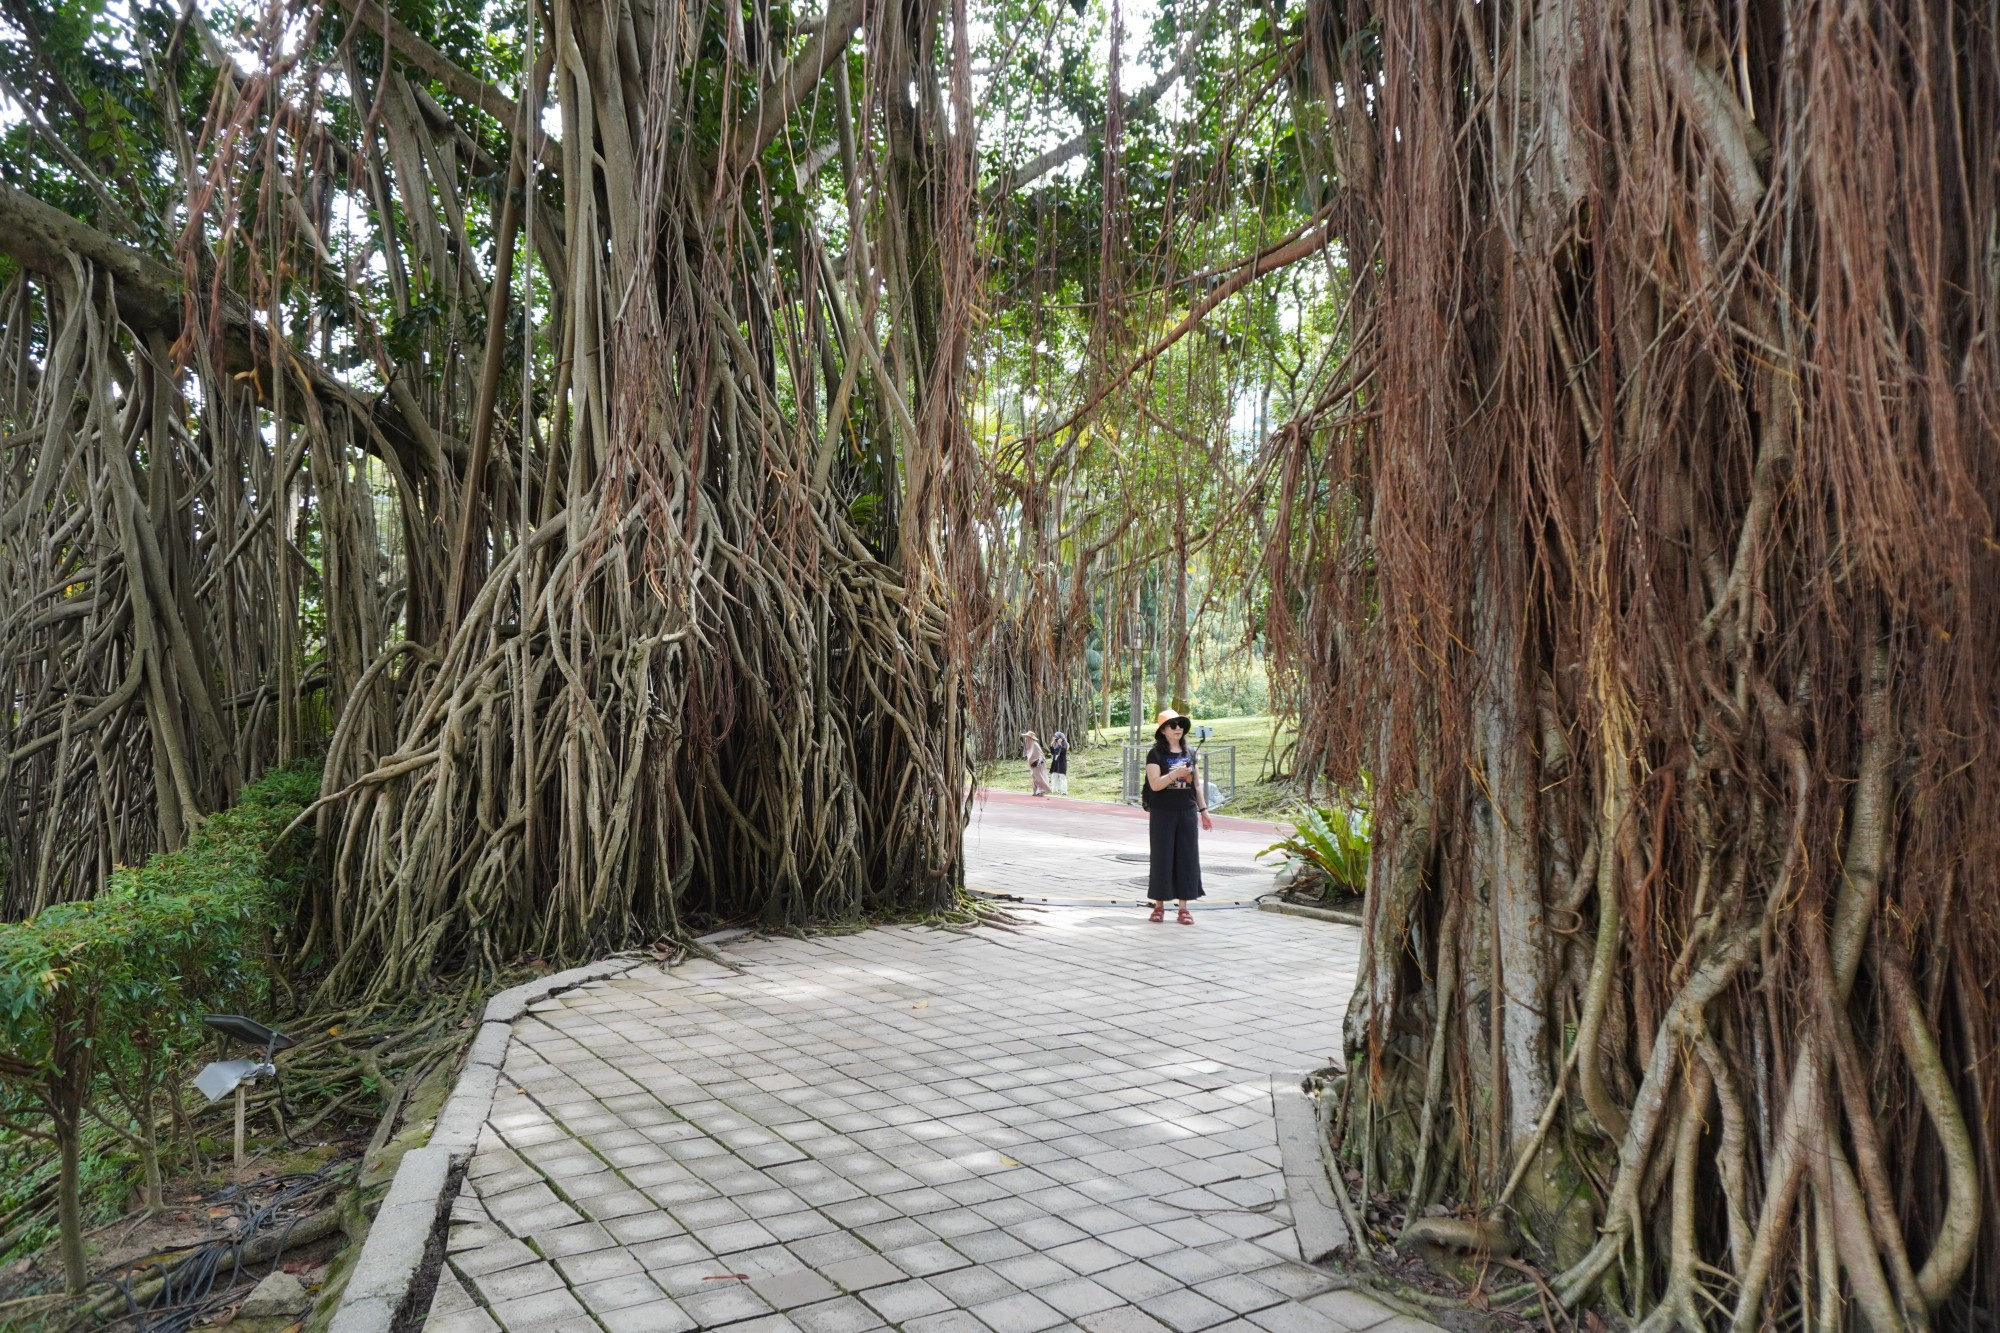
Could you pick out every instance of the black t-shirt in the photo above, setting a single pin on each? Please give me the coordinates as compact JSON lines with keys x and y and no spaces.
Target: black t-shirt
{"x":1175,"y":796}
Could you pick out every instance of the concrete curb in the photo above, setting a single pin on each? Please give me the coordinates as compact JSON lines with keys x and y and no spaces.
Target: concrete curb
{"x":1322,"y":1230}
{"x":396,"y":1274}
{"x":1312,"y":913}
{"x":405,"y":1243}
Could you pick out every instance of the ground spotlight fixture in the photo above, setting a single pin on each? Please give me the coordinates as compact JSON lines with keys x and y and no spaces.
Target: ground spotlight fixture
{"x":219,"y":1078}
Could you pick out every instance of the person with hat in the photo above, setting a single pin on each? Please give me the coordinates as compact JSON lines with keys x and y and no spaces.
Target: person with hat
{"x":1059,"y":763}
{"x":1038,"y":763}
{"x":1172,"y":795}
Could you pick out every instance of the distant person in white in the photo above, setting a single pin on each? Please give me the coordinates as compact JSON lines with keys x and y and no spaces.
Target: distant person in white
{"x":1038,"y":763}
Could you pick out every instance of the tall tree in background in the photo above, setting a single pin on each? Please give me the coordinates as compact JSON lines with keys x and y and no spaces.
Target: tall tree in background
{"x":661,"y":621}
{"x":1653,"y":581}
{"x":1126,"y":330}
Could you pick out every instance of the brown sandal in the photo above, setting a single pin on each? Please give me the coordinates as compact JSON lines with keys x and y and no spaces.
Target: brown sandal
{"x":1186,"y":918}
{"x":1159,"y":912}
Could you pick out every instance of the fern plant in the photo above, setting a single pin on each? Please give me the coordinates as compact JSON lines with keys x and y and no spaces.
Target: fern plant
{"x":1331,"y":844}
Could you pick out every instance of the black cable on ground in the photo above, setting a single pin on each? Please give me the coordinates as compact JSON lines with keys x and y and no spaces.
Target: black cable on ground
{"x":198,"y":1280}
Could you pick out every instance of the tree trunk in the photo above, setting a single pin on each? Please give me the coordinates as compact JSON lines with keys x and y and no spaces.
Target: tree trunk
{"x":1670,"y":455}
{"x":66,"y":1125}
{"x":149,"y":1152}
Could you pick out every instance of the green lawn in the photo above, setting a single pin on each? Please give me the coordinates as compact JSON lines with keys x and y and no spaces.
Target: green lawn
{"x":1094,"y":776}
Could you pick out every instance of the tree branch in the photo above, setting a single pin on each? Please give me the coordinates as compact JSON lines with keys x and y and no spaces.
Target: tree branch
{"x":1135,"y":106}
{"x":783,"y":96}
{"x":434,"y":62}
{"x":41,"y":237}
{"x":457,"y":81}
{"x":1308,"y":241}
{"x":114,"y":210}
{"x":152,"y":299}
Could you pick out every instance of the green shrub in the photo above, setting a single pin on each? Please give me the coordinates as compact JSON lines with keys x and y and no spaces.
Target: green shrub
{"x":101,"y":1000}
{"x":1332,"y":845}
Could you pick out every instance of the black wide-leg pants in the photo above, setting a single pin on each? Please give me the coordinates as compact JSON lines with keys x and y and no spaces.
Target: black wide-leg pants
{"x":1176,"y":868}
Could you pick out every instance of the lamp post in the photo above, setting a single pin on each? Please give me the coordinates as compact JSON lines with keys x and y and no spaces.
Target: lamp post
{"x":1137,"y":640}
{"x":219,"y":1078}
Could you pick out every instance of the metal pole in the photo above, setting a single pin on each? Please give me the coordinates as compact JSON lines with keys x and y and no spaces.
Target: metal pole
{"x":241,"y":1090}
{"x":1138,"y":644}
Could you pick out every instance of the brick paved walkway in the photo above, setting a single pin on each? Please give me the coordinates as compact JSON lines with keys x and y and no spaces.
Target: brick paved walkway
{"x":1066,"y":1126}
{"x":1086,"y":850}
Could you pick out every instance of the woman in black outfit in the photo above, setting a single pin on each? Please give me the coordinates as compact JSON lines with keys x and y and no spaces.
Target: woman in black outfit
{"x":1059,"y":763}
{"x":1174,"y":800}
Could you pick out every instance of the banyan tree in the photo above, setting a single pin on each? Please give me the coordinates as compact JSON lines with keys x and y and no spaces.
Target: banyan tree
{"x":557,"y":414}
{"x":1654,"y":584}
{"x":583,"y":380}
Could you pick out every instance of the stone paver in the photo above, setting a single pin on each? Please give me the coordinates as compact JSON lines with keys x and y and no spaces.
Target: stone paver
{"x":1065,"y":1126}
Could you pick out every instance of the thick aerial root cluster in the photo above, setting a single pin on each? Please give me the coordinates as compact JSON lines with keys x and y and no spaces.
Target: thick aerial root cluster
{"x":695,"y":684}
{"x":153,"y":664}
{"x":574,"y":786}
{"x":1666,"y":637}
